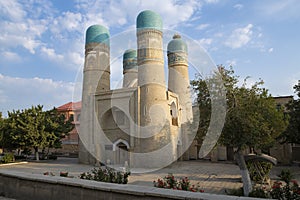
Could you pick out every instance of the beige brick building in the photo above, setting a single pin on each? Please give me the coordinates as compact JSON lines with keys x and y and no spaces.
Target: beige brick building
{"x":145,"y":123}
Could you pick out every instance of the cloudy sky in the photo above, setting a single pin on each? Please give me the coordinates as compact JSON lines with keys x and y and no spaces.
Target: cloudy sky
{"x":42,"y":41}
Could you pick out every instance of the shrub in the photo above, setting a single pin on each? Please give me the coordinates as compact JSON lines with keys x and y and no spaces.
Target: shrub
{"x":260,"y":192}
{"x":8,"y":158}
{"x":259,"y":171}
{"x":235,"y":192}
{"x":169,"y":182}
{"x":106,"y":175}
{"x":63,"y":174}
{"x":52,"y":157}
{"x":286,"y":188}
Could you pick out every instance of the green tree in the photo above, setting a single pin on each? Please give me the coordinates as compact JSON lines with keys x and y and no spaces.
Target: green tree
{"x":6,"y":138}
{"x":35,"y":128}
{"x":56,"y":127}
{"x":1,"y":129}
{"x":292,"y":133}
{"x":252,"y":120}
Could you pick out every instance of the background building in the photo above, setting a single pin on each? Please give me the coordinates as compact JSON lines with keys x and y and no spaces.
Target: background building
{"x":70,"y":142}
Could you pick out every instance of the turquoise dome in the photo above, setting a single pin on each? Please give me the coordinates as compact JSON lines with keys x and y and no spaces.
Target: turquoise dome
{"x":149,"y":20}
{"x":177,"y":45}
{"x":129,"y":54}
{"x":97,"y":34}
{"x":130,"y":59}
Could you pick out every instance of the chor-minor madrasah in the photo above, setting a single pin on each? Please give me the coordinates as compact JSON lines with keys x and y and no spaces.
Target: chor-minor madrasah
{"x":146,"y":122}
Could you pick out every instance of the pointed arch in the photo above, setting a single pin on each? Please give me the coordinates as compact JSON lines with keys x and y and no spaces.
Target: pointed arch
{"x":115,"y":144}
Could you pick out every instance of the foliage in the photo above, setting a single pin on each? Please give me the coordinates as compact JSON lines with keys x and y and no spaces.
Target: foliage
{"x":34,"y":128}
{"x":8,"y":158}
{"x":106,"y":175}
{"x":261,"y":173}
{"x":252,"y":120}
{"x":286,"y":188}
{"x":235,"y":192}
{"x":260,"y":192}
{"x":204,"y":103}
{"x":292,"y":133}
{"x":257,"y":192}
{"x":169,"y":182}
{"x":63,"y":174}
{"x":1,"y":128}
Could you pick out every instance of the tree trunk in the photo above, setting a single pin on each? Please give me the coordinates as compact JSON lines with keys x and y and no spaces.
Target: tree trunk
{"x":36,"y":149}
{"x":247,"y":185}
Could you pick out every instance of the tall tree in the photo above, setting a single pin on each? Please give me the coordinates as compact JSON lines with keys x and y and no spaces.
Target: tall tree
{"x":35,"y":128}
{"x":1,"y":129}
{"x":252,"y":119}
{"x":29,"y":128}
{"x":56,"y":127}
{"x":292,"y":133}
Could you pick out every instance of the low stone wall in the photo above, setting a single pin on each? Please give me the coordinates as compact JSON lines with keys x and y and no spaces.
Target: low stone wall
{"x":25,"y":186}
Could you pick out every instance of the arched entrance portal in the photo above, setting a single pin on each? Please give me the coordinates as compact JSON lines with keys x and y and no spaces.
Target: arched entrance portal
{"x":121,"y":154}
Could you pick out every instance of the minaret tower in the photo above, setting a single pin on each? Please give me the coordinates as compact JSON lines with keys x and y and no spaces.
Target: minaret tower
{"x":151,"y":76}
{"x":96,"y":78}
{"x":152,"y":106}
{"x":179,"y":82}
{"x":130,"y":70}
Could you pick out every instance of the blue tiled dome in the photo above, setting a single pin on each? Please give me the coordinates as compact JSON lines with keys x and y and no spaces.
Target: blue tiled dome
{"x":129,"y":54}
{"x":177,"y":45}
{"x":130,"y":59}
{"x":97,"y":34}
{"x":149,"y":20}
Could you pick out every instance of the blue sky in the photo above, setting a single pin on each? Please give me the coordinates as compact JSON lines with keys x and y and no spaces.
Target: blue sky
{"x":42,"y":42}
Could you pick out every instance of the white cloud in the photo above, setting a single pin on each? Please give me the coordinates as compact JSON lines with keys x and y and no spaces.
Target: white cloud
{"x":238,"y":6}
{"x":270,"y":50}
{"x":239,"y":37}
{"x":231,"y":62}
{"x":202,"y":26}
{"x":19,"y":93}
{"x":279,"y":10}
{"x":205,"y":42}
{"x":68,"y":21}
{"x":76,"y":60}
{"x":119,"y":13}
{"x":12,"y":10}
{"x":10,"y":56}
{"x":51,"y":54}
{"x":21,"y":31}
{"x":212,"y":1}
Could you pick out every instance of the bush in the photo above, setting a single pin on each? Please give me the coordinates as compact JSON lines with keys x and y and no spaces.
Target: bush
{"x":52,"y":157}
{"x":169,"y":182}
{"x":106,"y":175}
{"x":20,"y":157}
{"x":235,"y":192}
{"x":8,"y":158}
{"x":63,"y":174}
{"x":259,"y":171}
{"x":260,"y":192}
{"x":286,"y":188}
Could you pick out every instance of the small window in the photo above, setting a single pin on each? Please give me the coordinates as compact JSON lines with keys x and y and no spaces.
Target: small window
{"x":71,"y":117}
{"x":78,"y":117}
{"x":278,"y":106}
{"x":173,"y":112}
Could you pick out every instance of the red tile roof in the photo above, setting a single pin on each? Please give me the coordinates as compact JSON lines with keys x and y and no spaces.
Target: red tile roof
{"x":71,"y":106}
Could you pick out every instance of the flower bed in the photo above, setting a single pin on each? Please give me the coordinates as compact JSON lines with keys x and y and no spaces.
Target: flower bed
{"x":170,"y":182}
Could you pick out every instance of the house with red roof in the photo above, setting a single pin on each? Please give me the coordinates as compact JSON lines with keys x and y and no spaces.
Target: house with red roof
{"x":70,"y":141}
